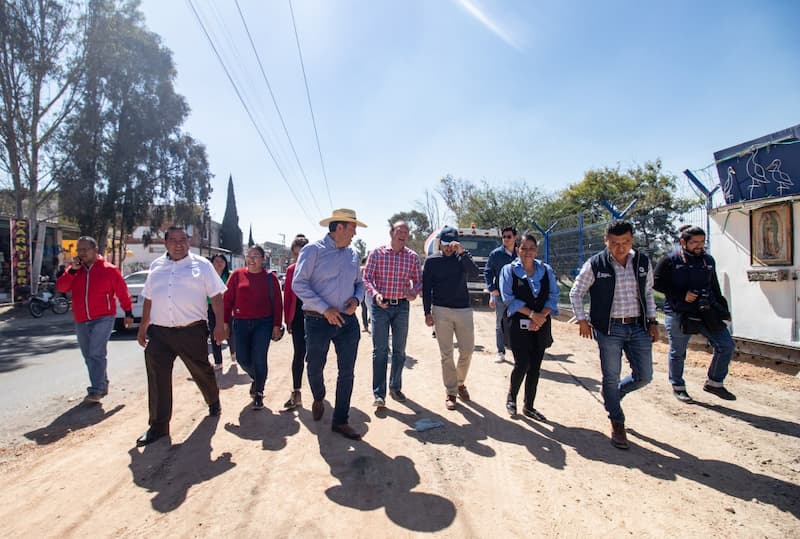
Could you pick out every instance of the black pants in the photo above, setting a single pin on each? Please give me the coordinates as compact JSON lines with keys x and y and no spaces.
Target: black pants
{"x":299,"y":342}
{"x":528,"y":354}
{"x":163,"y":346}
{"x":216,"y":349}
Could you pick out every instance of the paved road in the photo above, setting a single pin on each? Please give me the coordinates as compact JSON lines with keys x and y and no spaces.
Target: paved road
{"x":43,"y":377}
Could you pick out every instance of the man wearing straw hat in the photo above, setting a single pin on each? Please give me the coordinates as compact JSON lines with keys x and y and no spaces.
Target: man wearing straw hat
{"x":328,"y":280}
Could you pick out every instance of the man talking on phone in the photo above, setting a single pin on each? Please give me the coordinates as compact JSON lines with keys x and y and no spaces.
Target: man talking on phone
{"x":95,"y":285}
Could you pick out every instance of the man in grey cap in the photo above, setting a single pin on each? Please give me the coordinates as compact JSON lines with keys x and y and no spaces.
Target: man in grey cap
{"x":445,"y":298}
{"x":328,"y":280}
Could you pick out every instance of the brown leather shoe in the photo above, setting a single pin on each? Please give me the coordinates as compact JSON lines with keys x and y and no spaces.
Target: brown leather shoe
{"x":463,"y":393}
{"x":346,"y":431}
{"x":618,"y":437}
{"x":317,"y":409}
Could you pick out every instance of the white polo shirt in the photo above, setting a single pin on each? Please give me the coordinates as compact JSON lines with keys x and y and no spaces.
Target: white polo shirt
{"x":178,"y":290}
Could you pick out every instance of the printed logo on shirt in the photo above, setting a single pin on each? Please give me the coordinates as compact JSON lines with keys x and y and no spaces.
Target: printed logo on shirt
{"x":603,"y":275}
{"x":642,"y":271}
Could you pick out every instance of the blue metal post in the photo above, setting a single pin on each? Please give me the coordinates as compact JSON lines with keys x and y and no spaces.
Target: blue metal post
{"x":709,"y":205}
{"x":546,"y":235}
{"x":580,"y":243}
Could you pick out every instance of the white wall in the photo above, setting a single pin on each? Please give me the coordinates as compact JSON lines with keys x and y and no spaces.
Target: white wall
{"x":762,"y":311}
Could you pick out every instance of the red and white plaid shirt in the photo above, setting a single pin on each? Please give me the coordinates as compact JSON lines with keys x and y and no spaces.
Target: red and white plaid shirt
{"x":393,"y":275}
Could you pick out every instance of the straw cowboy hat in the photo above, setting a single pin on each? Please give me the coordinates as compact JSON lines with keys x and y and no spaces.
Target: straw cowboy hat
{"x":344,"y":215}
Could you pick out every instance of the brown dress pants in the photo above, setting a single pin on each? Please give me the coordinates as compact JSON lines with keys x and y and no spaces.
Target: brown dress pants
{"x":190,"y":343}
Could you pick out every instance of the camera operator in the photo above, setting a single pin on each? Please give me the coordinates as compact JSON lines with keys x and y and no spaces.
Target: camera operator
{"x":694,"y":304}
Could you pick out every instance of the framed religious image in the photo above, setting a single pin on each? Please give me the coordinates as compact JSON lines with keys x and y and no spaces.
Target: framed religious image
{"x":771,"y":237}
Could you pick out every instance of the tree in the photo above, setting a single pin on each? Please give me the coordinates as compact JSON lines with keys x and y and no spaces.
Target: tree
{"x":455,"y":192}
{"x":360,"y":247}
{"x":231,"y":234}
{"x":419,"y":228}
{"x":250,"y":241}
{"x":515,"y":204}
{"x":129,"y":162}
{"x":656,"y":206}
{"x":40,"y":64}
{"x":430,"y":207}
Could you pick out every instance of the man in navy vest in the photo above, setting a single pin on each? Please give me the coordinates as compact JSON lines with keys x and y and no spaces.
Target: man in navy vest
{"x":694,"y":304}
{"x":622,"y":317}
{"x":499,"y":257}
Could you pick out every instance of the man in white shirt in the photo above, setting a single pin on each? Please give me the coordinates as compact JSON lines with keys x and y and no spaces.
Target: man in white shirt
{"x":174,"y":323}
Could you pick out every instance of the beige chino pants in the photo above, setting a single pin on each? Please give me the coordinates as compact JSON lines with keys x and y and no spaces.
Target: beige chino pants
{"x":446,"y":322}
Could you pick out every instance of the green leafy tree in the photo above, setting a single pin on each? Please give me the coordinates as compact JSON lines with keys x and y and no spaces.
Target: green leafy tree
{"x":230,"y":233}
{"x":360,"y":247}
{"x":419,"y":228}
{"x":40,"y":64}
{"x":129,"y":161}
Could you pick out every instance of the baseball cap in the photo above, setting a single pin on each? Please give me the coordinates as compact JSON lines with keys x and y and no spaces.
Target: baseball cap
{"x":448,"y":235}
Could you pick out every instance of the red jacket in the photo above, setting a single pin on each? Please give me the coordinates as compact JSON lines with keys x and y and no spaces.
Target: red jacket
{"x":95,"y":291}
{"x":289,"y":297}
{"x":248,"y":296}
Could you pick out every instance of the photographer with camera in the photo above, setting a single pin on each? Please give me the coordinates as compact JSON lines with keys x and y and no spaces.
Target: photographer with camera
{"x":694,"y":304}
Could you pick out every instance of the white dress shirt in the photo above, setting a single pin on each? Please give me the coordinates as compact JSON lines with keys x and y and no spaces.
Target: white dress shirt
{"x":178,"y":290}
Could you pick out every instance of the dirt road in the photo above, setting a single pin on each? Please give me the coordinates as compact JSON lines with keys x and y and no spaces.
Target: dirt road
{"x":713,"y":469}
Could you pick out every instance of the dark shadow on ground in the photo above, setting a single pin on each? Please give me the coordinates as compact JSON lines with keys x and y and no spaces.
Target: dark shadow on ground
{"x":76,"y":418}
{"x":271,"y":429}
{"x":725,"y":477}
{"x":371,"y":480}
{"x":14,"y":352}
{"x":232,"y":377}
{"x":770,"y":424}
{"x":589,"y":384}
{"x":124,"y":335}
{"x":483,"y":425}
{"x":563,"y":358}
{"x":171,"y":470}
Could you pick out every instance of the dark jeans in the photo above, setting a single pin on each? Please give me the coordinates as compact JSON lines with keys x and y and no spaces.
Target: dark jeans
{"x":164,"y":345}
{"x":216,"y":349}
{"x":319,"y":335}
{"x":396,"y":318}
{"x":721,"y":341}
{"x":635,"y":342}
{"x":528,"y":355}
{"x":299,"y":344}
{"x":252,"y":344}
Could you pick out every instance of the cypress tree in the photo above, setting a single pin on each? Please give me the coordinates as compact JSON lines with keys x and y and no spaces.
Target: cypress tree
{"x":230,"y":233}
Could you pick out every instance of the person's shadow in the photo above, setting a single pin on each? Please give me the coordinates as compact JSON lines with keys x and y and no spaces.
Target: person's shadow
{"x":232,"y":377}
{"x":589,"y":384}
{"x":727,"y":478}
{"x":771,"y":424}
{"x":271,"y":429}
{"x":170,"y":471}
{"x":370,"y":479}
{"x":78,"y":417}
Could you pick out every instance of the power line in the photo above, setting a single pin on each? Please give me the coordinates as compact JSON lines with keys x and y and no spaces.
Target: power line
{"x":275,"y":102}
{"x":308,"y":96}
{"x":247,"y":109}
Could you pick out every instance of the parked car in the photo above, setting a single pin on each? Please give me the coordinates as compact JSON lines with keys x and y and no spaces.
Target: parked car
{"x":135,"y":282}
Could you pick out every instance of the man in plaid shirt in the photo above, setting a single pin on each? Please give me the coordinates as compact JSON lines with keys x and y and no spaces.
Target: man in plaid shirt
{"x":392,"y":278}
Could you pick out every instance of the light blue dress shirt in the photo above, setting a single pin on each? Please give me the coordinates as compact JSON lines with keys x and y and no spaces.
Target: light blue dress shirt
{"x":535,"y":282}
{"x":327,"y":276}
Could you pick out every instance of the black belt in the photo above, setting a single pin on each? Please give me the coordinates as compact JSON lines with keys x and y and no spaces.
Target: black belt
{"x":397,"y":301}
{"x":627,"y":320}
{"x":190,"y":325}
{"x":315,"y":314}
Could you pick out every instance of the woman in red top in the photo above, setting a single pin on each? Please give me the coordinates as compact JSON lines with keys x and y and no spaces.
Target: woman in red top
{"x":293,"y":314}
{"x":253,"y":302}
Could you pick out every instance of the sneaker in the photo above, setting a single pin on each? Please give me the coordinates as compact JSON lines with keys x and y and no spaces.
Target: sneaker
{"x":511,"y":407}
{"x":258,"y":401}
{"x":720,"y":392}
{"x":294,"y":401}
{"x":379,"y":402}
{"x":463,"y":393}
{"x":450,"y":403}
{"x":533,"y":413}
{"x":397,"y":395}
{"x":682,"y":395}
{"x":501,"y":357}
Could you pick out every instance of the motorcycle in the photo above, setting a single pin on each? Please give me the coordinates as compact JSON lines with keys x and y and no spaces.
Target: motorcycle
{"x":46,"y":299}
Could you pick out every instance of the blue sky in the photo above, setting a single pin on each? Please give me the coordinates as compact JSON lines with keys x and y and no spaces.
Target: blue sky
{"x":405,"y":92}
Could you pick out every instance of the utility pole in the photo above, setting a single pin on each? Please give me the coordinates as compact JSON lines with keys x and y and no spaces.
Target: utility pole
{"x":283,"y":239}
